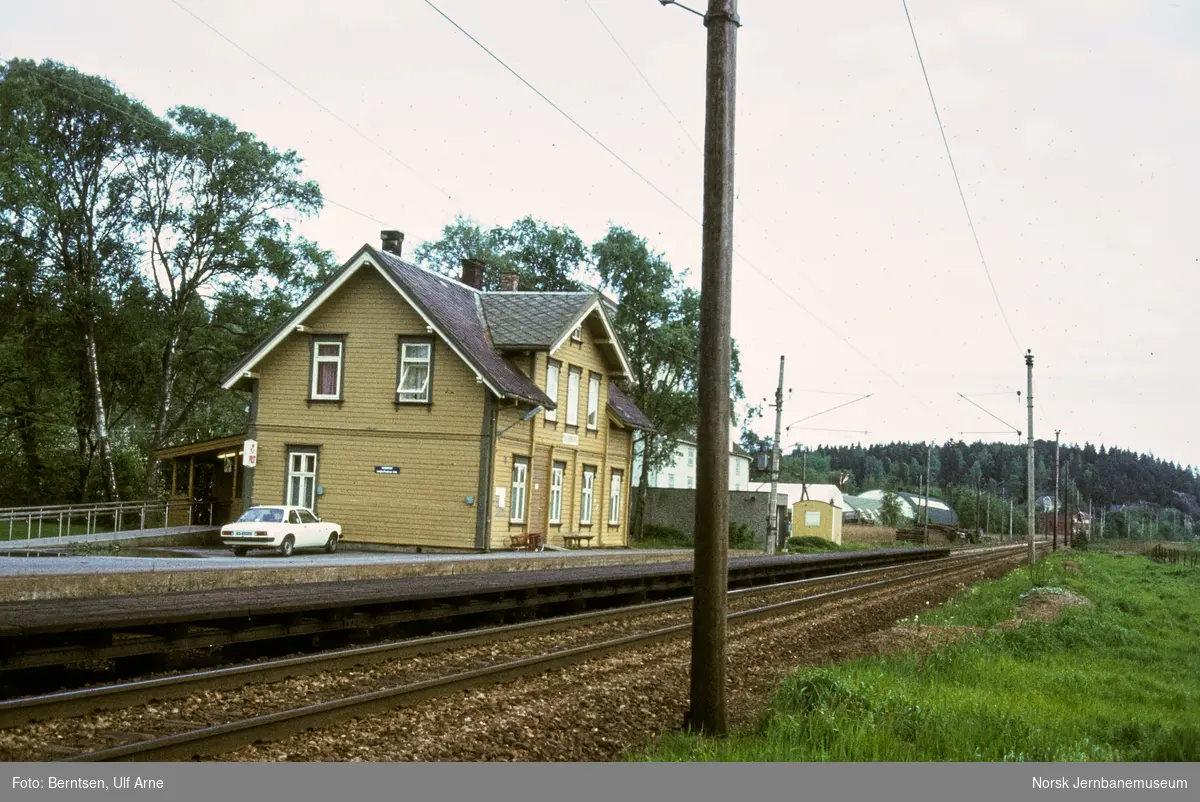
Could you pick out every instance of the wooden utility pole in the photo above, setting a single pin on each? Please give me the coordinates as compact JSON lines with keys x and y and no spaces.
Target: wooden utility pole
{"x":772,"y":513}
{"x":1030,"y":511}
{"x":710,"y":577}
{"x":1054,"y":541}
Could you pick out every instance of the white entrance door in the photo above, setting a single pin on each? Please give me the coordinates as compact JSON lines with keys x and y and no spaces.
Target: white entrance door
{"x":302,"y":479}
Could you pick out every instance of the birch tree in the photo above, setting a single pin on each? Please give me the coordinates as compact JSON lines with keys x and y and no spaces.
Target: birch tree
{"x":216,"y":205}
{"x":66,"y":137}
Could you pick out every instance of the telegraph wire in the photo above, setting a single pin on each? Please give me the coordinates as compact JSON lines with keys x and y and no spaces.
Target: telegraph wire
{"x":201,"y":145}
{"x":957,"y":182}
{"x":672,"y":201}
{"x":313,"y":100}
{"x":645,"y":80}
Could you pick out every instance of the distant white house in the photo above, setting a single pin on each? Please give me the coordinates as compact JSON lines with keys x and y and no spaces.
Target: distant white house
{"x":681,"y":471}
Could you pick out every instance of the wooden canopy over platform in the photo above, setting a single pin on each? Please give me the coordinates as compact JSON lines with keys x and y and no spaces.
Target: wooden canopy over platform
{"x":208,"y":470}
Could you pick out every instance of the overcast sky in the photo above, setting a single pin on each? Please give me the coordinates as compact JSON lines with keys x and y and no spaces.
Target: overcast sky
{"x":1073,"y":124}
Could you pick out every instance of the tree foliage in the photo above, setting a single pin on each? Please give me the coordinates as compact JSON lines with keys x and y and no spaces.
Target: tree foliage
{"x":139,"y":258}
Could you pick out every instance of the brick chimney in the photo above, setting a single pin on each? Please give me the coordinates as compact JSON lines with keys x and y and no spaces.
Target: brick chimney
{"x":472,"y":273}
{"x":393,"y":241}
{"x":510,"y":282}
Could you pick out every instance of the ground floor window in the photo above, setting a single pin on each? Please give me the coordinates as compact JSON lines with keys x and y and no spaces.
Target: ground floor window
{"x":556,"y":491}
{"x":302,"y":478}
{"x":520,"y":477}
{"x":587,"y":495}
{"x":812,"y":517}
{"x":614,"y":499}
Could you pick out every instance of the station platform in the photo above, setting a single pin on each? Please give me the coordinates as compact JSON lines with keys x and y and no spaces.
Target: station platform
{"x":184,"y":569}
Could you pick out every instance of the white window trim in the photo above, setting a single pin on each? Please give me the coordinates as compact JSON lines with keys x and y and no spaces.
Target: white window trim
{"x":520,"y":480}
{"x":573,"y":377}
{"x":552,"y":369}
{"x":317,"y":360}
{"x":407,"y":396}
{"x":577,"y":334}
{"x":614,"y":498}
{"x":593,"y":412}
{"x":691,"y":452}
{"x":557,"y":472}
{"x":587,"y":494}
{"x":303,"y":475}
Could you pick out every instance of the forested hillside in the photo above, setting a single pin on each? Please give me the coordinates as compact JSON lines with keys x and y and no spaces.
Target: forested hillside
{"x":1102,"y":476}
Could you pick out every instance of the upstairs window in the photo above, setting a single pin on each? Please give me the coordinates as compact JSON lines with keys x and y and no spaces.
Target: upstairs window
{"x":416,"y":372}
{"x":577,"y":334}
{"x":573,"y":396}
{"x":326,"y":370}
{"x":593,"y":415}
{"x":552,"y":389}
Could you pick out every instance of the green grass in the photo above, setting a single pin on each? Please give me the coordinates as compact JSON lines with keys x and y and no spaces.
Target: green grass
{"x":1116,"y":681}
{"x":21,"y":530}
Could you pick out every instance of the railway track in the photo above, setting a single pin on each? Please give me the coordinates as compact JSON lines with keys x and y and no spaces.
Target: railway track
{"x":131,"y":630}
{"x":157,"y":737}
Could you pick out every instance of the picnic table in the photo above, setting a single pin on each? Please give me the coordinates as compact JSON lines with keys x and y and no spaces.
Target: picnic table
{"x":576,"y":540}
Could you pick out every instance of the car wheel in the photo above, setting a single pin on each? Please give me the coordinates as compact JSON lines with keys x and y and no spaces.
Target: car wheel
{"x":289,"y":545}
{"x":331,"y":544}
{"x":239,"y":551}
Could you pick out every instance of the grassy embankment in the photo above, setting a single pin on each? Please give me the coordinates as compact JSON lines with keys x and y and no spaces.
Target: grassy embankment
{"x":1117,"y":680}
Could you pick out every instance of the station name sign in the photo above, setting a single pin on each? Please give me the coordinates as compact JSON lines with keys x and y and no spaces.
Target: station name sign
{"x":390,"y":470}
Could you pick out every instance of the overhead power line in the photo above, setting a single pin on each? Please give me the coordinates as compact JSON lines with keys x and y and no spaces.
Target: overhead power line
{"x":201,"y":145}
{"x":314,"y":101}
{"x":1006,"y":423}
{"x":957,"y":182}
{"x":672,"y":201}
{"x":645,"y":80}
{"x":831,"y":409}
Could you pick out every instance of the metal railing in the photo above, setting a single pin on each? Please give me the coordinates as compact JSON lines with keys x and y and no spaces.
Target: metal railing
{"x":62,"y":520}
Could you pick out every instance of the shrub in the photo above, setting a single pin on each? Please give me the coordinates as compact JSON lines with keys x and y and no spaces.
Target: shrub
{"x":811,"y":543}
{"x":742,"y":536}
{"x":667,"y":536}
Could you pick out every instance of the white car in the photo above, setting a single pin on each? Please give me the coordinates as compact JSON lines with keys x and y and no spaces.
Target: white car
{"x":282,"y":528}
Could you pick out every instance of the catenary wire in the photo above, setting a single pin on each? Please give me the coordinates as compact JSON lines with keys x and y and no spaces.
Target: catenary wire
{"x":201,"y":145}
{"x":677,"y":205}
{"x":314,"y":100}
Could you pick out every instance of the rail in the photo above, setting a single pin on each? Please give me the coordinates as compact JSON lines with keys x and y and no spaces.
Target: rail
{"x":62,"y":520}
{"x":220,"y":738}
{"x":15,"y":712}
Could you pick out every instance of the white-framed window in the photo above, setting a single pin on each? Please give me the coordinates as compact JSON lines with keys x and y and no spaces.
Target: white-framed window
{"x":587,"y":495}
{"x":302,"y":478}
{"x":552,"y":389}
{"x":326,"y":370}
{"x":577,"y":334}
{"x":670,"y":480}
{"x":812,"y":517}
{"x":556,"y":491}
{"x":416,"y":372}
{"x":520,"y":476}
{"x":593,"y":416}
{"x":737,"y":467}
{"x":614,"y":499}
{"x":691,"y":482}
{"x":573,"y":396}
{"x":691,"y":457}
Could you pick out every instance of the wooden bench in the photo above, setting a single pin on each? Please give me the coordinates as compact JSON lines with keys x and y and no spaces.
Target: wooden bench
{"x":527,"y":541}
{"x":576,"y":540}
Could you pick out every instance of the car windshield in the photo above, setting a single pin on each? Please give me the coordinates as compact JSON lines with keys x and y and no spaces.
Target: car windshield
{"x":266,"y":515}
